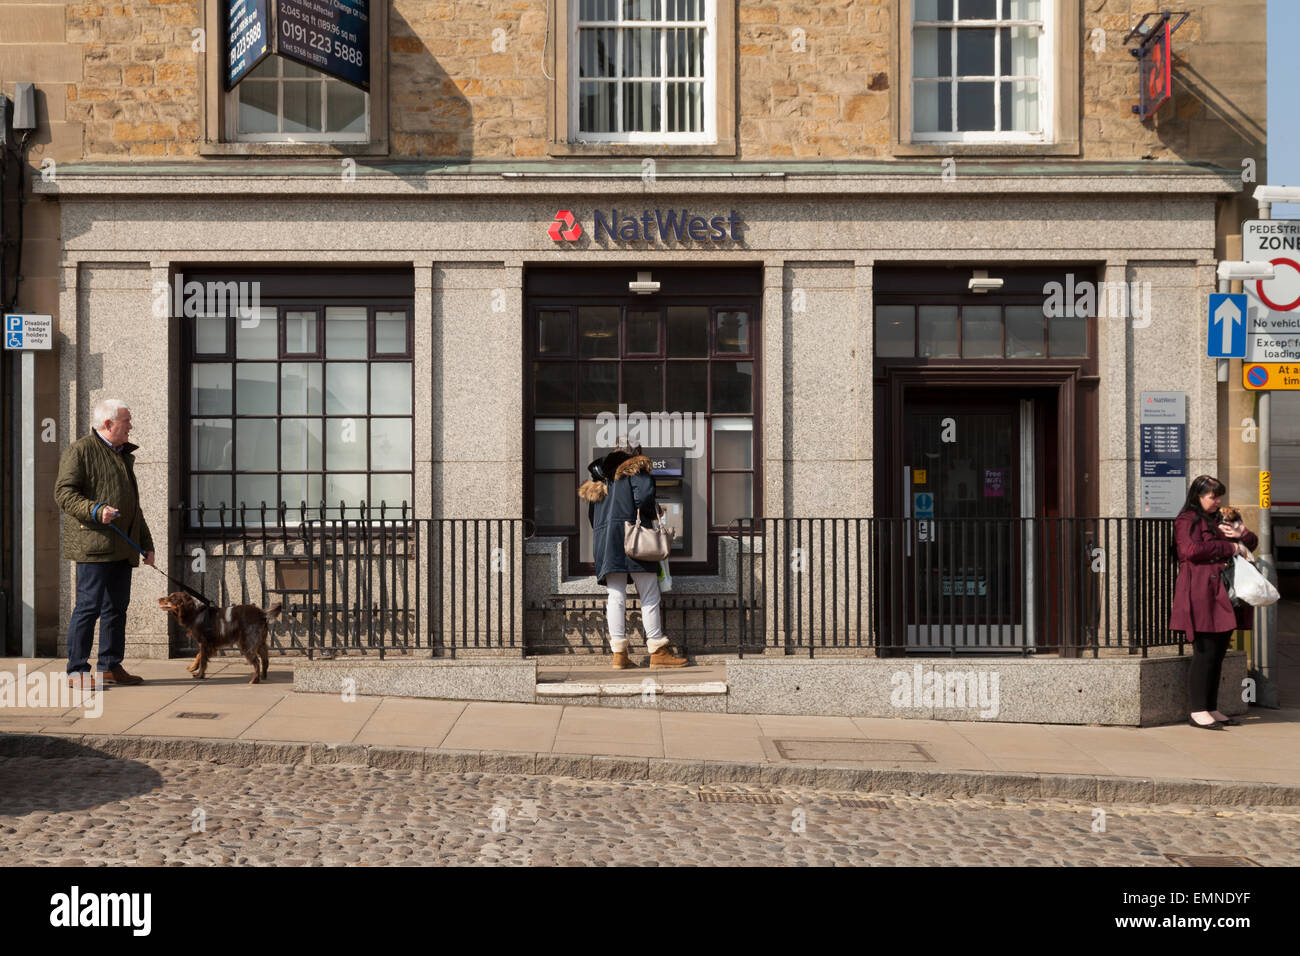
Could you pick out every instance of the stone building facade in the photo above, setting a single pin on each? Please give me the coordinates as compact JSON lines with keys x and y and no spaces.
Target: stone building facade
{"x":823,"y":139}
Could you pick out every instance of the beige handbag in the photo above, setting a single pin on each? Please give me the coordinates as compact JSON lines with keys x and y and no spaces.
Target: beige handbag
{"x":647,"y":544}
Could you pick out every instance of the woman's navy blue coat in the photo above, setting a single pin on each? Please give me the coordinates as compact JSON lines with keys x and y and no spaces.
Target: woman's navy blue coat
{"x":609,"y":504}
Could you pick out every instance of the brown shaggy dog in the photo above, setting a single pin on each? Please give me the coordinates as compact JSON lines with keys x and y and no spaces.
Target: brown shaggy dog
{"x":245,"y":626}
{"x":1229,"y":515}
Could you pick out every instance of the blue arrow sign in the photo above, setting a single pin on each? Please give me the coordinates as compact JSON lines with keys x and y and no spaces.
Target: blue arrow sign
{"x":1226,"y":337}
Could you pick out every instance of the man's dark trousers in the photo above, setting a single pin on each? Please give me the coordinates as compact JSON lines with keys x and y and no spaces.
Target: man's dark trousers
{"x":103,"y":592}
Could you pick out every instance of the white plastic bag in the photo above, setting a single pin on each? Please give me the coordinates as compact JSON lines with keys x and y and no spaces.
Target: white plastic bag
{"x":1251,"y":586}
{"x":665,"y":577}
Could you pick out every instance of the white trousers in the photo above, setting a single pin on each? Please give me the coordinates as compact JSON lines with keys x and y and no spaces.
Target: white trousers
{"x":647,"y":587}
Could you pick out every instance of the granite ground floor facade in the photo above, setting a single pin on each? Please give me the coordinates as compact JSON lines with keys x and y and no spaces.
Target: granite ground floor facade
{"x":837,"y":348}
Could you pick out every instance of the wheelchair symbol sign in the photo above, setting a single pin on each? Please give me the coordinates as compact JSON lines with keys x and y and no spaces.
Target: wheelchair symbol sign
{"x":13,"y":340}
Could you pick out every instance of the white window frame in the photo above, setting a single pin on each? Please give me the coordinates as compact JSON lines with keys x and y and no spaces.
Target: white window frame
{"x":1046,"y":78}
{"x":232,"y":114}
{"x":709,"y":23}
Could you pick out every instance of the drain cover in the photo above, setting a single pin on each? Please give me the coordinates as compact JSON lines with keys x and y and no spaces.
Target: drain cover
{"x":848,"y":749}
{"x":764,"y":798}
{"x":1184,"y":860}
{"x":196,"y":715}
{"x":863,"y":804}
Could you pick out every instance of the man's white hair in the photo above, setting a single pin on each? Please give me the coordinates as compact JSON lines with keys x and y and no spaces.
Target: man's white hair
{"x":107,"y":410}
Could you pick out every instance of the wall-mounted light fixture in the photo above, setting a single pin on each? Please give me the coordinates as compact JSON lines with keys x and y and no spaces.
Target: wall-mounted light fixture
{"x":980,"y":282}
{"x":643,"y":284}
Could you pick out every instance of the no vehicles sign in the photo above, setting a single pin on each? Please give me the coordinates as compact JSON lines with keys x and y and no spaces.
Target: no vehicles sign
{"x":1273,"y":305}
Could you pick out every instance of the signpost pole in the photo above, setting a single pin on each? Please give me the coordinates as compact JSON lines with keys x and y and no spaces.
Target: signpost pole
{"x":1266,"y":690}
{"x":27,"y":496}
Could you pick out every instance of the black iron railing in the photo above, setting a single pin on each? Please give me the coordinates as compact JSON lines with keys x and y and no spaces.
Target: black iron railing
{"x":360,"y":579}
{"x":1015,"y":585}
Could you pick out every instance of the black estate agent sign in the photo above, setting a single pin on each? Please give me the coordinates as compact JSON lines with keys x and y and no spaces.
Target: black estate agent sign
{"x":247,"y":34}
{"x":332,"y":36}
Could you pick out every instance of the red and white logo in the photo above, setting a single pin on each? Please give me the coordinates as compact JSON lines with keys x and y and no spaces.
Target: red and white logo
{"x":565,"y":227}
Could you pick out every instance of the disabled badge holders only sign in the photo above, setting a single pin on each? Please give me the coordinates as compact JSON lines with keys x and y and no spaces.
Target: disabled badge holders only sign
{"x":29,"y":333}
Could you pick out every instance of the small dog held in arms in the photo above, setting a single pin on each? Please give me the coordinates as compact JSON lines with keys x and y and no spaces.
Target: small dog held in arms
{"x":1229,"y":515}
{"x":245,"y":626}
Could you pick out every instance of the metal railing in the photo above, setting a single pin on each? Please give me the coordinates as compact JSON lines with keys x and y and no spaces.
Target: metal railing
{"x":1014,"y":585}
{"x":360,"y":579}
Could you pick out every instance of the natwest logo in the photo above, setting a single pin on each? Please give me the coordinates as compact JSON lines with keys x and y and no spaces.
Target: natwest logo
{"x":565,"y":226}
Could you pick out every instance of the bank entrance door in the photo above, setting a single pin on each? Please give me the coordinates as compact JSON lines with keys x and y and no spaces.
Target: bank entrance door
{"x":968,"y":485}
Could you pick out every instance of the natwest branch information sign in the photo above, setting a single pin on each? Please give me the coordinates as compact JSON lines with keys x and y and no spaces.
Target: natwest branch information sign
{"x":332,"y":36}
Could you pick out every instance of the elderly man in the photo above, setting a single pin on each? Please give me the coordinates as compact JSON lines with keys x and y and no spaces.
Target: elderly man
{"x":96,"y":488}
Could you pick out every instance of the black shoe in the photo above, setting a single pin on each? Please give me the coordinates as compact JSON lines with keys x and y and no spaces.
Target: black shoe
{"x":1231,"y":722}
{"x":1214,"y":726}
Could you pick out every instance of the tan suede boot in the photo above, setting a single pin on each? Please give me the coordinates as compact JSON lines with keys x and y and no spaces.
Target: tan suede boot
{"x":622,"y":661}
{"x":664,"y":658}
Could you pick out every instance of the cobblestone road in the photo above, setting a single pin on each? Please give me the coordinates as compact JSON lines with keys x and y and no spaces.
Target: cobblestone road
{"x":89,"y":811}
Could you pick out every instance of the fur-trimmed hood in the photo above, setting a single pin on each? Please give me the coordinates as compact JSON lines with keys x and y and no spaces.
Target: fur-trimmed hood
{"x":595,"y":490}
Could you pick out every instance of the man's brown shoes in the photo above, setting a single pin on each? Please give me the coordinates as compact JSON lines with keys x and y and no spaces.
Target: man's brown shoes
{"x":118,"y":675}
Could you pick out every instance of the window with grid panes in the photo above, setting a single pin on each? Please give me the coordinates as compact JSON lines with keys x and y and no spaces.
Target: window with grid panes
{"x":284,"y":101}
{"x":981,"y":70}
{"x":309,"y":404}
{"x":644,"y":71}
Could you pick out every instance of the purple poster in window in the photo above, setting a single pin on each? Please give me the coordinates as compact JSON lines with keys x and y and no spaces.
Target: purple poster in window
{"x":994,"y":479}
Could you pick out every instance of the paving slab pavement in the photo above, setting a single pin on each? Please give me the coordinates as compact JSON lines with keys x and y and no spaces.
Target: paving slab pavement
{"x":225,"y":715}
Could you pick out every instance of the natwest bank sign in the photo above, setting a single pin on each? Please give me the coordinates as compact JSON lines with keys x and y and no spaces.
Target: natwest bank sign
{"x":651,"y":225}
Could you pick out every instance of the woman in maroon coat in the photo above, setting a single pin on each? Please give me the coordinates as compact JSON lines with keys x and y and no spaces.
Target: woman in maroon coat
{"x":1201,"y":607}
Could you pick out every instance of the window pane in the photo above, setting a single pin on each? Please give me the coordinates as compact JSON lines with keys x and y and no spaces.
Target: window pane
{"x":1067,"y":336}
{"x":553,"y":388}
{"x":258,"y":104}
{"x":641,"y":107}
{"x":975,"y":52}
{"x":932,"y":107}
{"x":210,"y":335}
{"x":302,"y":106}
{"x":211,"y":491}
{"x":345,"y":388}
{"x":895,"y":331}
{"x":390,"y":333}
{"x":640,"y":9}
{"x":255,"y":337}
{"x":300,"y":444}
{"x":685,"y":52}
{"x":932,"y":51}
{"x":981,"y":331}
{"x":345,"y":443}
{"x":975,"y":106}
{"x":597,"y":108}
{"x":252,"y":490}
{"x":641,"y":53}
{"x":345,"y":108}
{"x":643,"y":386}
{"x":598,"y":9}
{"x":210,"y":444}
{"x":300,"y":332}
{"x":977,"y":9}
{"x":297,"y":70}
{"x":345,"y":332}
{"x":390,"y":443}
{"x":255,"y":388}
{"x":255,"y":444}
{"x":732,"y":333}
{"x":733,"y":497}
{"x":554,"y":501}
{"x":1021,"y":10}
{"x":596,"y":52}
{"x":300,"y":388}
{"x":597,"y":388}
{"x":1019,"y":51}
{"x":938,"y":331}
{"x":554,"y":333}
{"x":687,"y":387}
{"x":733,"y":387}
{"x":210,"y":392}
{"x":1024,"y":331}
{"x":349,"y":489}
{"x":685,"y":107}
{"x":553,"y":444}
{"x":688,"y":330}
{"x":598,"y":331}
{"x":390,"y":388}
{"x":1020,"y":106}
{"x":297,"y":489}
{"x":643,"y":332}
{"x":733,"y":443}
{"x":933,"y":10}
{"x":390,"y":492}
